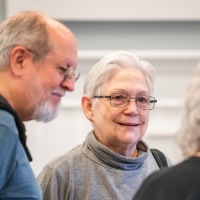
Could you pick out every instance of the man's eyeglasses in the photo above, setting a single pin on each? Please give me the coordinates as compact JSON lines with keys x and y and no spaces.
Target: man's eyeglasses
{"x":122,"y":100}
{"x":68,"y":73}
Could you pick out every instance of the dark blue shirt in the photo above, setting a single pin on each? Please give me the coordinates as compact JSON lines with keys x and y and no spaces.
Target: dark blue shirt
{"x":17,"y":180}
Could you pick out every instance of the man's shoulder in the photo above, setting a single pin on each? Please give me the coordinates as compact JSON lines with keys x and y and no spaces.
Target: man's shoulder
{"x":6,"y":115}
{"x":7,"y":125}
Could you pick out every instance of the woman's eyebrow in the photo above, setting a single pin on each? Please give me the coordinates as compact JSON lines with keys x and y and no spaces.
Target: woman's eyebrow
{"x":130,"y":93}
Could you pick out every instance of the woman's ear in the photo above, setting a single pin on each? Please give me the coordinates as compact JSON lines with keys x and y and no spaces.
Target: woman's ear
{"x":86,"y":103}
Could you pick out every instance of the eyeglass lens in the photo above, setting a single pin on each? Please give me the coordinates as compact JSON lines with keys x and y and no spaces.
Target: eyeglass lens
{"x":71,"y":74}
{"x":142,"y":102}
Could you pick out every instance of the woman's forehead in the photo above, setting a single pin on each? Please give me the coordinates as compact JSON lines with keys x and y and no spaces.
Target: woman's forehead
{"x":126,"y":81}
{"x":126,"y":76}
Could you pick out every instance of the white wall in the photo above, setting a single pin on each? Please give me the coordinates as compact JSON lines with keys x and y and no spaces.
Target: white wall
{"x":112,"y":10}
{"x":164,"y":32}
{"x":174,"y":69}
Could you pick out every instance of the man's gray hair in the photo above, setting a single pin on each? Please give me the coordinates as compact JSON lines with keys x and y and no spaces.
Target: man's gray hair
{"x":28,"y":29}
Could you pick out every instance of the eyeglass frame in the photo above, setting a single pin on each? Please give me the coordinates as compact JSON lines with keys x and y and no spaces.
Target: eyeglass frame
{"x":69,"y":72}
{"x":128,"y":102}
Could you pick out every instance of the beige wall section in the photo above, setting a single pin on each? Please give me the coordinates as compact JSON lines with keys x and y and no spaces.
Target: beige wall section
{"x":112,"y":9}
{"x":162,"y":32}
{"x":2,"y":10}
{"x":174,"y":70}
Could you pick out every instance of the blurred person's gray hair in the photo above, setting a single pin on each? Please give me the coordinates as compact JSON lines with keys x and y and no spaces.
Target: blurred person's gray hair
{"x":188,"y":136}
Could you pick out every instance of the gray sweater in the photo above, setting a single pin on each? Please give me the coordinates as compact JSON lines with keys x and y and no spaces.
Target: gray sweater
{"x":91,"y":171}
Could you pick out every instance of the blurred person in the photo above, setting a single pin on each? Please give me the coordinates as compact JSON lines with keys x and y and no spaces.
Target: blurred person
{"x":38,"y":58}
{"x":180,"y":182}
{"x":114,"y":160}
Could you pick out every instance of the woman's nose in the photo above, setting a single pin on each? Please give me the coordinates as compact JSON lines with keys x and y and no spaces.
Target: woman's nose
{"x":131,"y":107}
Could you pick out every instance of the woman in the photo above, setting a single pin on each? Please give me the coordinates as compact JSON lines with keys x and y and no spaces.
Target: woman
{"x":113,"y":160}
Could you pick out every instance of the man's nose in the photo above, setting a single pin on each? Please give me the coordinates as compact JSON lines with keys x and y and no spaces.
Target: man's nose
{"x":68,"y":84}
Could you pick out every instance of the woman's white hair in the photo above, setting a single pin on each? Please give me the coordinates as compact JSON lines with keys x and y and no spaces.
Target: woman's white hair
{"x":188,"y":136}
{"x":28,"y":29}
{"x":112,"y":64}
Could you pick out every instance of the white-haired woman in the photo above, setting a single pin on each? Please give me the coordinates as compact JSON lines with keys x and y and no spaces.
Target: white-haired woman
{"x":113,"y":161}
{"x":180,"y":182}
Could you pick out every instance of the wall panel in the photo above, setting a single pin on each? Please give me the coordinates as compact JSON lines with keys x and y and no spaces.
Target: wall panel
{"x":174,"y":69}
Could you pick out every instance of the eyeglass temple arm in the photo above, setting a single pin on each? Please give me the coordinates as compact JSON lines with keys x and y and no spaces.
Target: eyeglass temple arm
{"x":153,"y":101}
{"x":101,"y":96}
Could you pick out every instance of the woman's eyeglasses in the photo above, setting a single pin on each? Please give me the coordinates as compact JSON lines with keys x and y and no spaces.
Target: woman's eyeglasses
{"x":122,"y":100}
{"x":68,"y":73}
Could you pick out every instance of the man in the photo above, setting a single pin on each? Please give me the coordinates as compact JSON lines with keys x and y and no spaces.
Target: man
{"x":38,"y":58}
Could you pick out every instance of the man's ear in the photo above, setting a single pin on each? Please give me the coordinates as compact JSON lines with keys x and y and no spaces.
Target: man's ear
{"x":17,"y":58}
{"x":86,"y":103}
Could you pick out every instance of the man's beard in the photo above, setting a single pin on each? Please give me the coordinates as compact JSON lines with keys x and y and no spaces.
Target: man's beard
{"x":44,"y":110}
